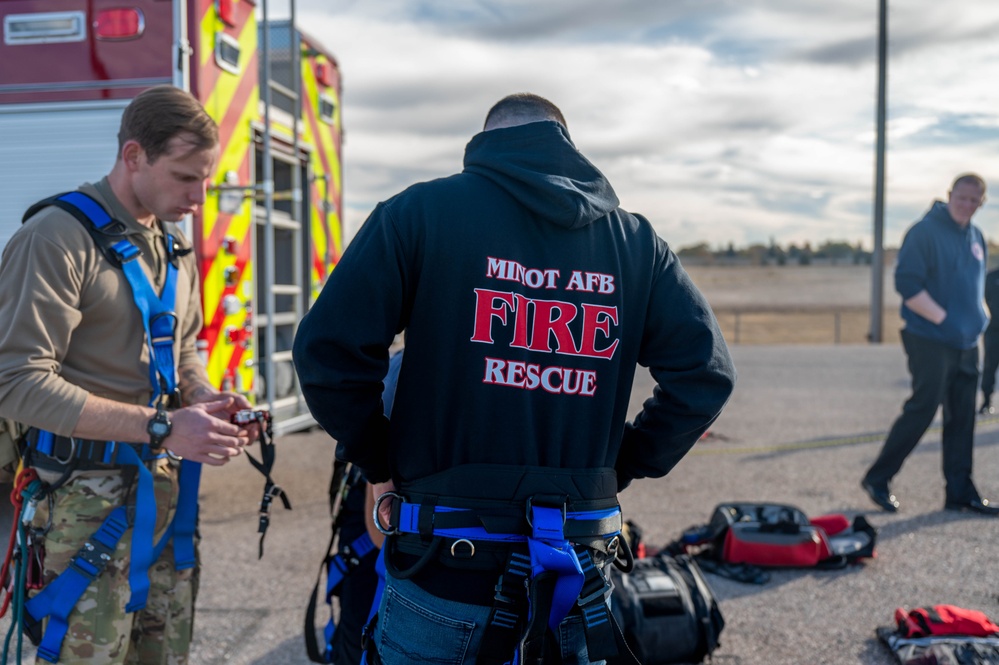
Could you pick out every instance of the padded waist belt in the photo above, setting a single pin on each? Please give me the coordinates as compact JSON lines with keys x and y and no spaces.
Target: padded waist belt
{"x":515,"y":483}
{"x":89,"y":454}
{"x":501,"y":524}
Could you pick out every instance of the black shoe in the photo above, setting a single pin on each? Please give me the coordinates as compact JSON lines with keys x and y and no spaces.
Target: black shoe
{"x":980,"y":506}
{"x":986,"y":409}
{"x":881,"y":496}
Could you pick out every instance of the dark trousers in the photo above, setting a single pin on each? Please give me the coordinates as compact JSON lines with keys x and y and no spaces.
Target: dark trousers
{"x":991,"y":363}
{"x":940,"y":375}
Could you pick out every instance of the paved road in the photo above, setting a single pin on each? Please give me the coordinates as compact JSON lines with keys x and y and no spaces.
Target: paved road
{"x":801,"y":428}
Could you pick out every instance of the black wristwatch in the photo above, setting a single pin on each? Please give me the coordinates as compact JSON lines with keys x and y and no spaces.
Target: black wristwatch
{"x":159,"y":428}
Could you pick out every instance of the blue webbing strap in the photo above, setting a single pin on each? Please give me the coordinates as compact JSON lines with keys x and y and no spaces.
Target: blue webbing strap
{"x":45,"y":442}
{"x":58,"y":599}
{"x":143,"y":530}
{"x":339,"y":566}
{"x":508,"y":616}
{"x":158,"y":317}
{"x":409,"y":522}
{"x":368,"y":637}
{"x":185,"y":519}
{"x":597,"y":626}
{"x":552,"y":553}
{"x":338,"y":569}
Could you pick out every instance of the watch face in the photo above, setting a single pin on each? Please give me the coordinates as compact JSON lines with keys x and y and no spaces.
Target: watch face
{"x":157,"y":428}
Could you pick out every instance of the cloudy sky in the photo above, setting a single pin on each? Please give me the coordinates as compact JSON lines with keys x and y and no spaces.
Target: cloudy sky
{"x":721,"y":120}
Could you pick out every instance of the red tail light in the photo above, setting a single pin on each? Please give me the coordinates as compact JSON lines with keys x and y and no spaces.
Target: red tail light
{"x":226,"y":12}
{"x":119,"y":23}
{"x":324,"y":74}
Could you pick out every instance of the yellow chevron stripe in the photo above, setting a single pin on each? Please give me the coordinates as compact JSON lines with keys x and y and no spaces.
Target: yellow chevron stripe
{"x":324,"y":145}
{"x":235,"y":146}
{"x":218,"y":101}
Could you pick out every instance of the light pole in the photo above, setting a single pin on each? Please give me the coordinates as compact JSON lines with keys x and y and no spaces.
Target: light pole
{"x":877,"y":256}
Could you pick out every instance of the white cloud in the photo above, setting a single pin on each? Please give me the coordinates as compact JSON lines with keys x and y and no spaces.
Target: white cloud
{"x":719,"y":120}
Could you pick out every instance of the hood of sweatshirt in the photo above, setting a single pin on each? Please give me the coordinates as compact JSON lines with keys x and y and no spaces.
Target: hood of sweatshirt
{"x":939,"y":212}
{"x":538,"y":165}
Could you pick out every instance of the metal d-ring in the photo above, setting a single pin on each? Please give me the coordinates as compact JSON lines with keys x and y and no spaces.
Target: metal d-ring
{"x":70,"y":456}
{"x":392,"y":530}
{"x":470,"y":544}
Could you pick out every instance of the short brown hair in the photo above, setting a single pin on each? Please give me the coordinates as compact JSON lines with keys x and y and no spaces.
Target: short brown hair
{"x":521,"y":108}
{"x":159,"y":114}
{"x":969,"y":179}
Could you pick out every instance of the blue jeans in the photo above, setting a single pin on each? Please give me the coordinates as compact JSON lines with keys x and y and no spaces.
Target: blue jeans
{"x":416,"y":627}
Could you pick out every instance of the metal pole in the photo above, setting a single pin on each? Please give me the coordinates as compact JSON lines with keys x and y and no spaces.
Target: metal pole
{"x":182,"y":77}
{"x":877,"y":257}
{"x":298,"y":184}
{"x":182,"y":72}
{"x":270,"y":333}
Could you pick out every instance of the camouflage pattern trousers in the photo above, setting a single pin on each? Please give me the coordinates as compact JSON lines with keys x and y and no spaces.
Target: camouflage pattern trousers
{"x":99,"y":629}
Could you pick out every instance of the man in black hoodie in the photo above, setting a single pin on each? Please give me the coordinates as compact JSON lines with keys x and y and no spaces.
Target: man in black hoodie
{"x":528,"y":298}
{"x":990,"y":342}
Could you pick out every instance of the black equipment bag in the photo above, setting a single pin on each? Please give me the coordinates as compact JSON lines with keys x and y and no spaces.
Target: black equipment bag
{"x":666,"y":610}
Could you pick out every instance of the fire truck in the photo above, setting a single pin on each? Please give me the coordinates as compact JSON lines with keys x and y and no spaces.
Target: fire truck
{"x":270,"y":231}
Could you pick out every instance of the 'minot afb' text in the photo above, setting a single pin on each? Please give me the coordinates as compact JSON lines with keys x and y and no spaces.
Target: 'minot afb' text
{"x":545,"y":325}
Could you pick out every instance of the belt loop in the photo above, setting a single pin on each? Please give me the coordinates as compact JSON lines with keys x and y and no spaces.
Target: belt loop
{"x":546,"y":503}
{"x":425,"y":522}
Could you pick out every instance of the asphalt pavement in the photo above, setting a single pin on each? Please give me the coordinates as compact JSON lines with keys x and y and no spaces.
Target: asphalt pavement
{"x":801,"y":428}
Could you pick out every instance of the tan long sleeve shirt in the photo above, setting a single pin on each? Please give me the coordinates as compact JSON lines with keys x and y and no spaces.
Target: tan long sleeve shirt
{"x":68,"y":323}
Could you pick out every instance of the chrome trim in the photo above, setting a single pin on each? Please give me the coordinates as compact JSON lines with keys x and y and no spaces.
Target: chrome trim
{"x":223,"y":38}
{"x":70,"y":86}
{"x":75,"y":29}
{"x":329,"y":119}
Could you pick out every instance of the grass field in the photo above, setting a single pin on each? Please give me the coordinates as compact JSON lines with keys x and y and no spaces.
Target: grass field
{"x":796,"y":304}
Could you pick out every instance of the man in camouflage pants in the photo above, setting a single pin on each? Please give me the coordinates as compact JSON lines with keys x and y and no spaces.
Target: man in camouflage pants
{"x":75,"y":364}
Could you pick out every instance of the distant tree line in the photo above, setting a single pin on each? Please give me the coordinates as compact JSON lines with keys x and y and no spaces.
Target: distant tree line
{"x":829,"y":252}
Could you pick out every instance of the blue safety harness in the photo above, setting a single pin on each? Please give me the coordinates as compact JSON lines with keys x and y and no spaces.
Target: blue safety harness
{"x":159,"y":319}
{"x":555,"y":554}
{"x":351,"y":557}
{"x":338,"y":565}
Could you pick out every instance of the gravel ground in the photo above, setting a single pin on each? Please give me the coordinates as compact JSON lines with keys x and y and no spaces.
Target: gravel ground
{"x":801,"y":428}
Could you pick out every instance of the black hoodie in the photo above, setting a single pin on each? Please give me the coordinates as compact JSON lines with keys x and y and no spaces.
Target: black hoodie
{"x":528,"y":298}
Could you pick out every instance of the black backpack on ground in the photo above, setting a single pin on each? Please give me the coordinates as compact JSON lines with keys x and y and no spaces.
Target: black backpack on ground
{"x":666,"y":610}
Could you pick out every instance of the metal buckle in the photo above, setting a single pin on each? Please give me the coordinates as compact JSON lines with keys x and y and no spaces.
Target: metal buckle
{"x":171,"y":320}
{"x":391,"y":530}
{"x":603,"y":591}
{"x":530,"y":507}
{"x":271,"y":493}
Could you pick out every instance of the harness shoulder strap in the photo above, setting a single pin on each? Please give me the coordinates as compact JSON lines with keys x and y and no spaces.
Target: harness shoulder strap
{"x":104,"y":229}
{"x":339,"y":563}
